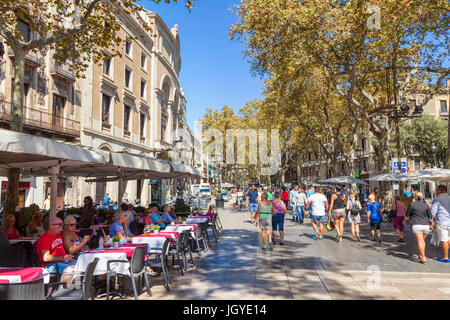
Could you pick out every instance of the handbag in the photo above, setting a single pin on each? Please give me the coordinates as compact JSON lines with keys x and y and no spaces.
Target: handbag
{"x":434,"y":241}
{"x":330,"y":225}
{"x":392,"y":213}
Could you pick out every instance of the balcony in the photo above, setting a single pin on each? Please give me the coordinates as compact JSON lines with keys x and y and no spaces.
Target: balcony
{"x":62,"y":72}
{"x":32,"y":59}
{"x":37,"y":120}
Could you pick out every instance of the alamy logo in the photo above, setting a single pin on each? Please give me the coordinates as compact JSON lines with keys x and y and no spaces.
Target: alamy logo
{"x":258,"y":147}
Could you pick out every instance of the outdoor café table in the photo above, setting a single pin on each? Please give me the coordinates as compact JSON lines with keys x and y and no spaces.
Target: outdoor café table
{"x":154,"y":241}
{"x":196,"y":220}
{"x":104,"y":255}
{"x":32,"y":240}
{"x":19,"y":275}
{"x":181,"y":227}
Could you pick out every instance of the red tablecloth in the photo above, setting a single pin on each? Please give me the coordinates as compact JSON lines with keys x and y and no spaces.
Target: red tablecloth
{"x":18,"y":275}
{"x":127,"y":251}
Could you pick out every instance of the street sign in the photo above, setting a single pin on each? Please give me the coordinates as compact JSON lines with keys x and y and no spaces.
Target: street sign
{"x":404,"y":165}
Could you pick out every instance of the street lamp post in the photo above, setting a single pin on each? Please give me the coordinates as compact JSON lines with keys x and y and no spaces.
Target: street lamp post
{"x":433,"y":148}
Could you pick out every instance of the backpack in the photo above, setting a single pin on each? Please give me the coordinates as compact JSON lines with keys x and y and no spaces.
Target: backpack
{"x":354,"y":210}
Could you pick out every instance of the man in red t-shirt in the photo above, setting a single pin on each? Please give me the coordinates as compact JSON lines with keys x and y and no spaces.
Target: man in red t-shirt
{"x":51,"y":250}
{"x":285,"y":197}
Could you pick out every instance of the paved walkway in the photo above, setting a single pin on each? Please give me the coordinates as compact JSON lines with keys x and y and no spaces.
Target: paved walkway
{"x":237,"y":268}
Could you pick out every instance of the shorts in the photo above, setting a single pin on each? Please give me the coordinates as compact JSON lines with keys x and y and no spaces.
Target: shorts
{"x":397,"y":222}
{"x":338,"y":212}
{"x":419,"y":228}
{"x":265,"y":224}
{"x":375,"y":226}
{"x":278,"y":222}
{"x":51,"y":268}
{"x":241,"y":201}
{"x":354,"y":218}
{"x":253,"y":207}
{"x":443,"y":232}
{"x":318,"y":218}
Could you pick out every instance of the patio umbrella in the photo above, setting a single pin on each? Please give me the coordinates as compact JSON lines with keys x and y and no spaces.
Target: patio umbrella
{"x":343,"y":180}
{"x":396,"y":176}
{"x":435,"y":174}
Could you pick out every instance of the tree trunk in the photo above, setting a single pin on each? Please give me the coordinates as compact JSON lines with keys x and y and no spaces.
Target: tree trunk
{"x":383,"y":166}
{"x":447,"y":162}
{"x":12,"y":191}
{"x":16,"y":125}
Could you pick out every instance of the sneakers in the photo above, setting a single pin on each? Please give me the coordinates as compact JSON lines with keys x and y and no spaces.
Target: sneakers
{"x":321,"y":238}
{"x":316,"y":235}
{"x":281,"y":243}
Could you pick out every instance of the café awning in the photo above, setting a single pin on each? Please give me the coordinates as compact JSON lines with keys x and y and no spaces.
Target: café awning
{"x":21,"y":150}
{"x":343,"y":180}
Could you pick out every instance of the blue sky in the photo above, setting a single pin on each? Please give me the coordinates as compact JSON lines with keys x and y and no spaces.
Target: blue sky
{"x":214,"y":71}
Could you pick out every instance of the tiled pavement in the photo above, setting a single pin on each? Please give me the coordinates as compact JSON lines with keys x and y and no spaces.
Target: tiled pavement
{"x":236,"y":267}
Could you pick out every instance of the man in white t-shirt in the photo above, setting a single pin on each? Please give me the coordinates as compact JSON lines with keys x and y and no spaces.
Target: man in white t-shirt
{"x":319,"y":206}
{"x":240,"y":197}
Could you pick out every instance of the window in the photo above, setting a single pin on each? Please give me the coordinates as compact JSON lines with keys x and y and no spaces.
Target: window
{"x":163,"y":129}
{"x":24,"y":29}
{"x":365,"y":165}
{"x":126,"y":118}
{"x":127,"y":78}
{"x":106,"y":104}
{"x":444,"y":106}
{"x":143,"y":88}
{"x":142,"y":125}
{"x":143,"y":61}
{"x":363,"y":145}
{"x":128,"y":47}
{"x":107,"y":66}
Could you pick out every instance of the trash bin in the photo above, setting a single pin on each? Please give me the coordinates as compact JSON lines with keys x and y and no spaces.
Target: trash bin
{"x":219,"y":202}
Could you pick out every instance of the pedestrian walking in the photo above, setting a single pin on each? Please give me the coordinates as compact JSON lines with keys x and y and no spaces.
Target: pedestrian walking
{"x":265,"y":213}
{"x":240,"y":196}
{"x":278,"y":218}
{"x":233,"y":199}
{"x":354,"y":217}
{"x":285,"y":197}
{"x":338,"y":210}
{"x":374,"y":217}
{"x":441,"y":211}
{"x":300,"y":201}
{"x":400,"y":210}
{"x":421,"y":220}
{"x":318,"y":204}
{"x":252,"y":202}
{"x":292,"y":194}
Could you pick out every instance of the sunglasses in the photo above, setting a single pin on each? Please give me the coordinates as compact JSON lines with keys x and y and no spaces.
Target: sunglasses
{"x":57,"y":224}
{"x":72,"y":224}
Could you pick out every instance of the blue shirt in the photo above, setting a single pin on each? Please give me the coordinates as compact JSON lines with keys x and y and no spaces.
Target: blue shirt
{"x":440,"y":207}
{"x":167,"y":217}
{"x":252,"y":196}
{"x":155,"y":217}
{"x":375,"y":212}
{"x":116,"y":226}
{"x":292,"y":195}
{"x":309,"y":193}
{"x":408,"y":194}
{"x":106,"y":200}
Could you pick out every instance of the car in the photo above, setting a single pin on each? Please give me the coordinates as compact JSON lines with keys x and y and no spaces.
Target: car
{"x":225,"y":196}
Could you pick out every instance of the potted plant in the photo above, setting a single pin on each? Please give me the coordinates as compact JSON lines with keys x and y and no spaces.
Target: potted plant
{"x":116,"y":241}
{"x":156,"y":228}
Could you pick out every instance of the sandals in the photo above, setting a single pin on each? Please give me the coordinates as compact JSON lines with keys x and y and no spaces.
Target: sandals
{"x":271,"y":246}
{"x":264,"y":248}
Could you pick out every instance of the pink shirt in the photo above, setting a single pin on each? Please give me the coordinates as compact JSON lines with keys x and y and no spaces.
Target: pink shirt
{"x":401,"y":209}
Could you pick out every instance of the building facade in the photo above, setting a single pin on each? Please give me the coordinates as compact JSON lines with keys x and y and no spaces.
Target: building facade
{"x":131,"y":104}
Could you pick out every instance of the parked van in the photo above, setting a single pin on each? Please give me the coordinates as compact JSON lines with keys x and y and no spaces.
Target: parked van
{"x":205,"y":189}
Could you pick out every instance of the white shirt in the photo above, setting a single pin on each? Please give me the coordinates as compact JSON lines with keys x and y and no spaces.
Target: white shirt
{"x":300,"y":199}
{"x":240,"y":194}
{"x":292,"y":194}
{"x":317,"y":204}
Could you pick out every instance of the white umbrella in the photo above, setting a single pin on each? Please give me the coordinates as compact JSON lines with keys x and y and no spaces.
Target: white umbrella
{"x":435,"y":174}
{"x":396,"y":176}
{"x":343,"y":180}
